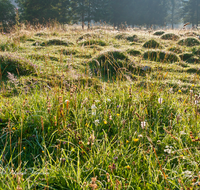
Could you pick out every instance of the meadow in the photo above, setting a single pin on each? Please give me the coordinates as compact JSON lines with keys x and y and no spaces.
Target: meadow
{"x":99,"y":109}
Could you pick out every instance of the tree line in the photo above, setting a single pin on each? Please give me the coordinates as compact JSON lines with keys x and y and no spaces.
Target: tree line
{"x":114,"y":12}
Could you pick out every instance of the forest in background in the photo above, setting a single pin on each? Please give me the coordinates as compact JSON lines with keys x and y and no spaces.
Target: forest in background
{"x":115,"y":12}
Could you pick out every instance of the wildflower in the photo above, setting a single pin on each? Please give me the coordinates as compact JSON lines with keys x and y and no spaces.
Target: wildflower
{"x":128,"y":167}
{"x":96,"y":122}
{"x":135,"y":140}
{"x":86,"y":125}
{"x":160,"y":100}
{"x":24,"y":148}
{"x":118,"y":114}
{"x":140,"y":136}
{"x":180,"y":91}
{"x":127,"y":141}
{"x":193,"y":85}
{"x":64,"y":142}
{"x":109,"y":100}
{"x":13,"y":128}
{"x":187,"y":174}
{"x":93,"y":107}
{"x":105,"y":122}
{"x":182,"y":133}
{"x":143,"y":124}
{"x":43,"y":151}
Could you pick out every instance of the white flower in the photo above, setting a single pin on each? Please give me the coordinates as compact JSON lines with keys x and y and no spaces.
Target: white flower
{"x":66,"y":101}
{"x":96,"y":122}
{"x":182,"y":133}
{"x":143,"y":124}
{"x":187,"y":173}
{"x":160,"y":100}
{"x":97,"y":101}
{"x":108,"y":100}
{"x":140,"y":136}
{"x":93,"y":106}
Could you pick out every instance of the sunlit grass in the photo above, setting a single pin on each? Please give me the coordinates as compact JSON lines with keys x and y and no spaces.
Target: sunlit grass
{"x":69,"y":126}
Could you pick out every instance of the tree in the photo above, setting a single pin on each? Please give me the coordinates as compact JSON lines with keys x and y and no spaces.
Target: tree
{"x":7,"y":12}
{"x":191,"y":11}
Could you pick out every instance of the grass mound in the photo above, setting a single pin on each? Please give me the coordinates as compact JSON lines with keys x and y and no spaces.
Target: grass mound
{"x":170,"y":36}
{"x":151,"y":44}
{"x":175,"y":49}
{"x":185,"y":56}
{"x":133,"y":52}
{"x":68,"y":51}
{"x":53,"y":42}
{"x":131,"y":38}
{"x":191,"y":34}
{"x":109,"y":63}
{"x":93,"y":42}
{"x":158,"y":33}
{"x":189,"y":42}
{"x":121,"y":36}
{"x":15,"y":65}
{"x":161,"y":56}
{"x":87,"y":36}
{"x":41,"y":34}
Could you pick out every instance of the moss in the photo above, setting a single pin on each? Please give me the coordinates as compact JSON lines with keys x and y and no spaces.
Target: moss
{"x":175,"y":49}
{"x":133,"y":52}
{"x":170,"y":36}
{"x":93,"y":42}
{"x":161,"y":56}
{"x":15,"y":65}
{"x":158,"y":33}
{"x":151,"y":44}
{"x":189,"y":42}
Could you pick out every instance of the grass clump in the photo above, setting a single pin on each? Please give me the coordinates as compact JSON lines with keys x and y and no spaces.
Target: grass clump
{"x":41,"y":34}
{"x":161,"y":56}
{"x":170,"y":36}
{"x":87,"y":36}
{"x":159,"y":33}
{"x":15,"y":65}
{"x":189,"y":42}
{"x":151,"y":44}
{"x":191,"y":34}
{"x":175,"y":49}
{"x":131,"y":38}
{"x":185,"y":56}
{"x":68,"y":51}
{"x":133,"y":52}
{"x":93,"y":42}
{"x":53,"y":42}
{"x":109,"y":63}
